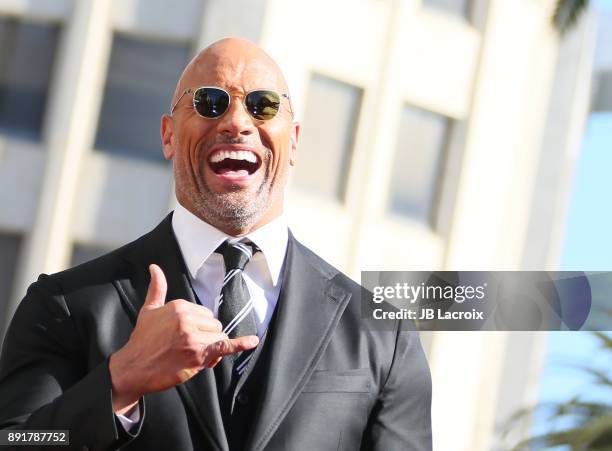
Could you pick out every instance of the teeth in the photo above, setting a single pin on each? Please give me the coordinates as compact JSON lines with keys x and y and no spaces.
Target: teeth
{"x":233,"y":155}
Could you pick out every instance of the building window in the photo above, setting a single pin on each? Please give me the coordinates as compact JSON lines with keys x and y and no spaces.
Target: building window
{"x":418,"y":164}
{"x":602,"y":99}
{"x":82,"y":253}
{"x":27,"y":55}
{"x":9,"y":253}
{"x":327,"y":137}
{"x":457,"y":7}
{"x":140,"y":82}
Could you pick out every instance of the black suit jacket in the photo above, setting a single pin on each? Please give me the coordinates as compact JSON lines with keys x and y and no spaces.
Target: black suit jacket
{"x":331,"y":382}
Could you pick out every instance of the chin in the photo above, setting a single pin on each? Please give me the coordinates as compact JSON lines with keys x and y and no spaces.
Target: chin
{"x":231,"y":212}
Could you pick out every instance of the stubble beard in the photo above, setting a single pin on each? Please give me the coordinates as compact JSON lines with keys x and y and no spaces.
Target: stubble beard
{"x":237,"y":210}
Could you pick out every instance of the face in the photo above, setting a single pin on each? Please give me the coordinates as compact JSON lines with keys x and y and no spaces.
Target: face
{"x":231,"y":172}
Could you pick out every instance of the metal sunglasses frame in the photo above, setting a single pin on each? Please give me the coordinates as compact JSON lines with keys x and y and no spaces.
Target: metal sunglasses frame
{"x":193,"y":102}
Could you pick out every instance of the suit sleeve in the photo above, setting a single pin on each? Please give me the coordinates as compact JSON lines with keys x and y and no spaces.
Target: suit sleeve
{"x":45,"y":379}
{"x":401,"y":418}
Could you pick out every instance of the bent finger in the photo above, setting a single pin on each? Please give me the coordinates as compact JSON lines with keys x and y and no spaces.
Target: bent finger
{"x":234,"y":345}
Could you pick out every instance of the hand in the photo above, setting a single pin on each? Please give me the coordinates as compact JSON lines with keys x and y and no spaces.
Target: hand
{"x":170,"y":343}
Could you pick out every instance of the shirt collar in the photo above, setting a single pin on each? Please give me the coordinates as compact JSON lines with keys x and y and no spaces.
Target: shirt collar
{"x":198,"y":240}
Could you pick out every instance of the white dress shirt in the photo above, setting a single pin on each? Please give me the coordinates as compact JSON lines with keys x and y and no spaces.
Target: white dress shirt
{"x":198,"y":241}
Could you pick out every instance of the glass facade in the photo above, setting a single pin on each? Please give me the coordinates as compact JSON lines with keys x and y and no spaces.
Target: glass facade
{"x":141,"y":78}
{"x":417,"y":166}
{"x":326,"y":144}
{"x":27,"y":56}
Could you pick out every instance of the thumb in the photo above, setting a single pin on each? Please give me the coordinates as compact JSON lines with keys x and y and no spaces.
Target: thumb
{"x":156,"y":294}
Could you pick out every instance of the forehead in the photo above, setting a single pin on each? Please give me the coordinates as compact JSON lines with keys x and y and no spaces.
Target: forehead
{"x":236,"y":72}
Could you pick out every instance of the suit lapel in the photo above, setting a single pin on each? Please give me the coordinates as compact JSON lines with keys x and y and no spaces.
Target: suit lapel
{"x":309,"y":307}
{"x":199,"y":394}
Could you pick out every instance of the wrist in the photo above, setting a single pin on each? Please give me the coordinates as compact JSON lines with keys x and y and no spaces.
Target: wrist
{"x":124,"y":398}
{"x":127,"y":410}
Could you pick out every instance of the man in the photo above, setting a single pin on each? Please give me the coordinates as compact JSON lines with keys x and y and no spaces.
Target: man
{"x":217,"y":330}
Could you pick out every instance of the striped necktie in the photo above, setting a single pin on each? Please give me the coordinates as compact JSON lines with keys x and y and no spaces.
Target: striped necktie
{"x":235,"y":303}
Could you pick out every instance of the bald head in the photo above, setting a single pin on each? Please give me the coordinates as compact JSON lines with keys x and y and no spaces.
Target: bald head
{"x":231,"y":170}
{"x":236,"y":56}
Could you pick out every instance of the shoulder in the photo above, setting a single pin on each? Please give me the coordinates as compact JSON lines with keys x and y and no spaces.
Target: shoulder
{"x":104,"y":270}
{"x":326,"y":269}
{"x":361,"y":306}
{"x":336,"y":283}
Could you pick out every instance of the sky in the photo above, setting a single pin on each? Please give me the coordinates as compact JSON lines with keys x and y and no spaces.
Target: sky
{"x":588,"y":246}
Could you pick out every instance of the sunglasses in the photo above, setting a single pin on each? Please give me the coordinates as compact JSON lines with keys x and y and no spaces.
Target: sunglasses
{"x":211,"y":102}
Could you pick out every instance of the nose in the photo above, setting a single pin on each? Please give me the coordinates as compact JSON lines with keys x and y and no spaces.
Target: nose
{"x":236,"y":120}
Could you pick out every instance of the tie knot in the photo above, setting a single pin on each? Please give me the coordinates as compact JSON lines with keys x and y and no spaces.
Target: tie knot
{"x":237,"y":254}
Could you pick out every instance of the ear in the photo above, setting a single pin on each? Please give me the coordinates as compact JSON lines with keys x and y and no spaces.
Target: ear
{"x":295,"y":132}
{"x":167,"y":136}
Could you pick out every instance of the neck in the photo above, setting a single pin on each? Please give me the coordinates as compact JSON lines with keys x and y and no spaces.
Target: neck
{"x":236,"y":230}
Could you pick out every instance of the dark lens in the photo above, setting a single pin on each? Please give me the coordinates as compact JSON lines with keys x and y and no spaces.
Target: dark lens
{"x":210,"y":102}
{"x":262,"y":105}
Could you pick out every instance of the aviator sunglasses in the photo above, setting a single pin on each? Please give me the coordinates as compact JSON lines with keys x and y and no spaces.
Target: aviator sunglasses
{"x":211,"y":102}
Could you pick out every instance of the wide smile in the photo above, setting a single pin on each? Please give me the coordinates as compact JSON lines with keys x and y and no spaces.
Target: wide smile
{"x":234,"y":165}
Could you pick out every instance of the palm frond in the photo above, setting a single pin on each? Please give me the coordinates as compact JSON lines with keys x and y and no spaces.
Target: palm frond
{"x":567,"y":13}
{"x":581,"y":410}
{"x":605,"y":339}
{"x":602,"y":378}
{"x":586,"y":424}
{"x":594,"y":435}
